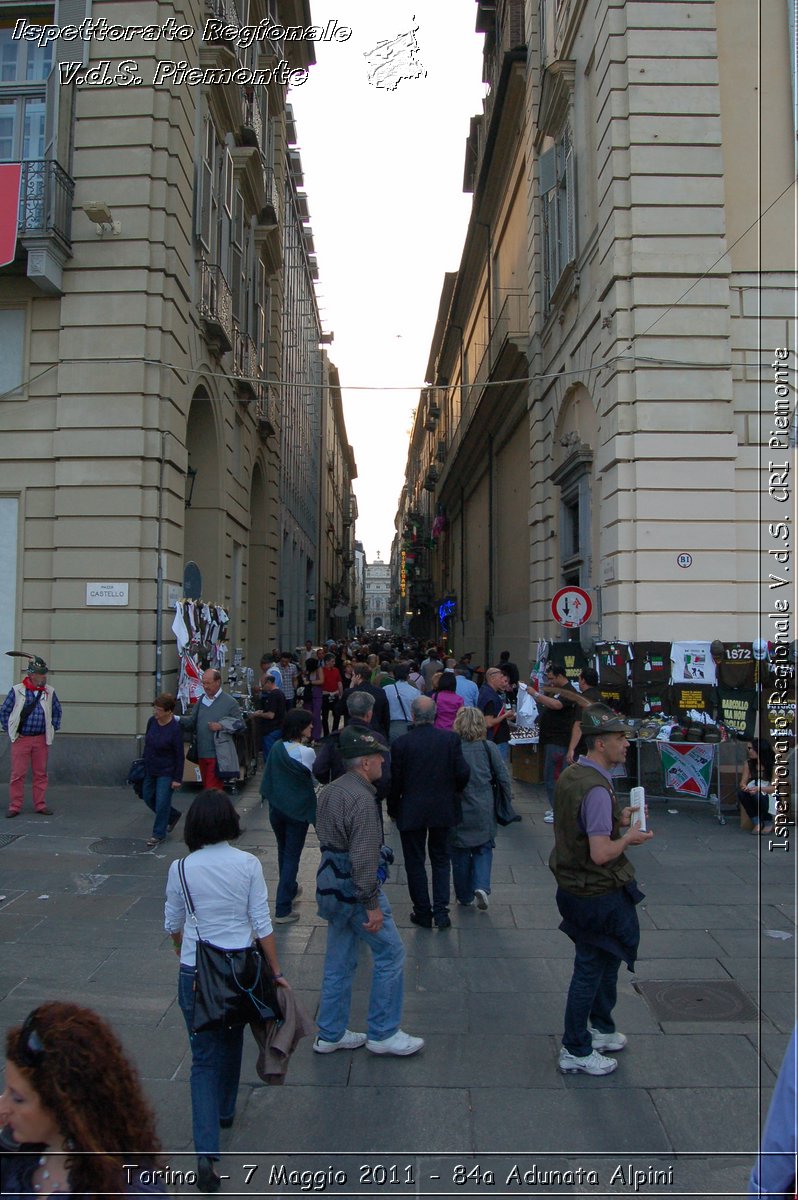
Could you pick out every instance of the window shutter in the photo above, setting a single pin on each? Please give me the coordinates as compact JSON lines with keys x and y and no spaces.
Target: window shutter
{"x":72,"y":12}
{"x":570,"y":197}
{"x":546,"y":164}
{"x":514,"y":17}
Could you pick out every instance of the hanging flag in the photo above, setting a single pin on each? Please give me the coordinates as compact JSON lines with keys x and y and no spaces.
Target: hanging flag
{"x":687,"y":768}
{"x":10,"y":182}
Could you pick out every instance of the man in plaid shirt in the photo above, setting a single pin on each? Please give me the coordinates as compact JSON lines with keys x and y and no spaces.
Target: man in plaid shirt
{"x":30,"y":716}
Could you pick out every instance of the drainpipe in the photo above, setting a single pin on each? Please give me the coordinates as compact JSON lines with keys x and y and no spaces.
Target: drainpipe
{"x":491,"y":556}
{"x":159,"y":574}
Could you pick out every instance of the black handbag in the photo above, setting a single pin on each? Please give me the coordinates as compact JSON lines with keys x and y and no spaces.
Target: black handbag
{"x":192,"y":753}
{"x":502,"y":806}
{"x":231,"y":987}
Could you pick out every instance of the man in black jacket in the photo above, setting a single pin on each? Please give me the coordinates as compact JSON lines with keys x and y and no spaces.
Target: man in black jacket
{"x":428,"y":773}
{"x":381,"y":715}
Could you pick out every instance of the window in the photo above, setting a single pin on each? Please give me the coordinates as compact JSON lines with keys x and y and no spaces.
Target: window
{"x":573,"y":480}
{"x":558,"y":199}
{"x":24,"y":68}
{"x":12,"y":343}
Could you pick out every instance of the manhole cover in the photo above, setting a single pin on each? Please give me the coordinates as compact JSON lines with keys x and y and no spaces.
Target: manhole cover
{"x":123,"y":847}
{"x":709,"y":1000}
{"x":7,"y":838}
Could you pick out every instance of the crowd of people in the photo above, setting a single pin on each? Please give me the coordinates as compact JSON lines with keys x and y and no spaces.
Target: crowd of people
{"x":354,"y":735}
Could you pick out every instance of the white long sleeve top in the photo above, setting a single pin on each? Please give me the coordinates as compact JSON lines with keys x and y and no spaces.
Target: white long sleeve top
{"x":230,"y":900}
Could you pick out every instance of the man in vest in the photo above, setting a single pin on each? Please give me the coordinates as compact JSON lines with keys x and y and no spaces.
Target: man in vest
{"x":596,"y":890}
{"x":30,"y":716}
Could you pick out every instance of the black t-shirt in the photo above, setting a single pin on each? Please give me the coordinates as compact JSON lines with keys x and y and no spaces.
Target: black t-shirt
{"x":556,"y":724}
{"x":273,"y":702}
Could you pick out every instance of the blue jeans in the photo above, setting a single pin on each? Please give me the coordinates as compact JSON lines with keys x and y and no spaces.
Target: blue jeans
{"x":504,"y":750}
{"x":553,"y":763}
{"x":156,"y":792}
{"x":215,"y":1071}
{"x":268,"y":741}
{"x":591,"y":997}
{"x":340,"y":964}
{"x":290,"y":835}
{"x":471,"y":869}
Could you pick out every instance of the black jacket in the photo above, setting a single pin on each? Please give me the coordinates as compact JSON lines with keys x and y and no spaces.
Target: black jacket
{"x":428,"y":773}
{"x":381,"y":716}
{"x":329,"y":765}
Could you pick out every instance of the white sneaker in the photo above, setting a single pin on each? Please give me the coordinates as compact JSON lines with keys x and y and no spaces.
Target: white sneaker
{"x":592,"y":1064}
{"x":606,"y":1041}
{"x":548,"y":817}
{"x":481,"y":897}
{"x":350,"y":1041}
{"x":401,"y":1043}
{"x":299,"y":891}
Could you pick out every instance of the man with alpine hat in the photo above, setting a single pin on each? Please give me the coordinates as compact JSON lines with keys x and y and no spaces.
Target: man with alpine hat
{"x":354,"y":865}
{"x":30,"y":716}
{"x":596,"y":890}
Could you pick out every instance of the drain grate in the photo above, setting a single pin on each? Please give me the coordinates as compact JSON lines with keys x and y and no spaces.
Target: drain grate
{"x":7,"y":838}
{"x":119,"y":847}
{"x":697,"y":1000}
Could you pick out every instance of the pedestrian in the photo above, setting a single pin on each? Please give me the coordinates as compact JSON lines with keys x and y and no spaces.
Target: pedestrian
{"x":31,"y":716}
{"x":164,"y":763}
{"x":287,"y":783}
{"x":428,"y":773}
{"x":215,"y":712}
{"x":381,"y":714}
{"x":270,"y":713}
{"x":73,"y":1098}
{"x":332,"y":690}
{"x":465,"y":687}
{"x":315,"y":677}
{"x":589,"y":693}
{"x":231,"y":903}
{"x":774,"y":1172}
{"x":492,"y":702}
{"x":329,"y":763}
{"x":596,"y":891}
{"x":447,"y":701}
{"x":350,"y":898}
{"x":288,"y":673}
{"x":557,"y":712}
{"x":473,"y":838}
{"x":400,"y":694}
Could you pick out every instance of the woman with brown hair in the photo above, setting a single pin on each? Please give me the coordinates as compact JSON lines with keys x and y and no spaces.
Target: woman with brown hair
{"x":71,"y":1092}
{"x":164,"y":763}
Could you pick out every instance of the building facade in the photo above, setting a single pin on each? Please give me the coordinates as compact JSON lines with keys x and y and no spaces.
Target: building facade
{"x":378,"y":594}
{"x":146,"y":328}
{"x":600,"y":357}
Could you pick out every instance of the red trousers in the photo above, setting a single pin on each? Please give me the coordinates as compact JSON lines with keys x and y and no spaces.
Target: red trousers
{"x":210,"y":775}
{"x":25,"y":752}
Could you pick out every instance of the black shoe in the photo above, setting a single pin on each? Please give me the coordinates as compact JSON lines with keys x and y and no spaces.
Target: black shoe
{"x":424,"y":922}
{"x":226,"y":1122}
{"x":443,"y":922}
{"x":172,"y":822}
{"x":207,"y":1177}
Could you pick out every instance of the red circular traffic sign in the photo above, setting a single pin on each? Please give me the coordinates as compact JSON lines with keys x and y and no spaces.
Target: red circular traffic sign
{"x":571,"y":607}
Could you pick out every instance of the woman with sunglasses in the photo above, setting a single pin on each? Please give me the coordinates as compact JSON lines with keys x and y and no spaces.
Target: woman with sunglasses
{"x":71,"y":1093}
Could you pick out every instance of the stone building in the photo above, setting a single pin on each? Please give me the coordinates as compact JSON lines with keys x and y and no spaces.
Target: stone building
{"x":601,"y":356}
{"x":147,"y":360}
{"x":378,"y":594}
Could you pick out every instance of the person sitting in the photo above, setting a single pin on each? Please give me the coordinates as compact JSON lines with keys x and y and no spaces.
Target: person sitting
{"x":756,"y":784}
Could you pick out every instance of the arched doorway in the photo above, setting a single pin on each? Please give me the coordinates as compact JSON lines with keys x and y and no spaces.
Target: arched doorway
{"x":204,"y":521}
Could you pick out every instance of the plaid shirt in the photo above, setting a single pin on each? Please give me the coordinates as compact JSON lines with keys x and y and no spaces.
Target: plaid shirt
{"x":348,"y":818}
{"x":34,"y":723}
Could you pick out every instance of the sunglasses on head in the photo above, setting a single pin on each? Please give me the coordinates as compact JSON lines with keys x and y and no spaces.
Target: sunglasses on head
{"x":30,"y":1047}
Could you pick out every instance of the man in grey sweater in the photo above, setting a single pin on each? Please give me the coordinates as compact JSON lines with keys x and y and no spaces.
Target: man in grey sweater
{"x":205,"y":719}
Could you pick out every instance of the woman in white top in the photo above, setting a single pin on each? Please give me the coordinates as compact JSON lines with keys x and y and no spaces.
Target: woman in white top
{"x":231,"y":904}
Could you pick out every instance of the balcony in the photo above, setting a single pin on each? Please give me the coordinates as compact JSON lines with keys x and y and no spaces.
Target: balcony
{"x":215,"y":307}
{"x":252,"y":130}
{"x":45,"y":221}
{"x":266,"y":414}
{"x":245,"y":364}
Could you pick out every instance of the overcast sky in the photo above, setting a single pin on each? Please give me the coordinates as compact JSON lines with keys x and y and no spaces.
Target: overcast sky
{"x":384,"y":175}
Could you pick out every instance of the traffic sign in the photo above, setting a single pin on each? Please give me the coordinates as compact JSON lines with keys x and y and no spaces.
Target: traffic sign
{"x":571,"y":607}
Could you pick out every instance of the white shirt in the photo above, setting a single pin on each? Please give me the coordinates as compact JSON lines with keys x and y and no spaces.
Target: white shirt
{"x":305,"y":755}
{"x":230,"y":900}
{"x":398,"y":694}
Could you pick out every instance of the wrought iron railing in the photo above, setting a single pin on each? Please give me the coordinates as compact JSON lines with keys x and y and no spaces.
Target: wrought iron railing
{"x":216,"y":302}
{"x":45,"y":200}
{"x":245,"y":360}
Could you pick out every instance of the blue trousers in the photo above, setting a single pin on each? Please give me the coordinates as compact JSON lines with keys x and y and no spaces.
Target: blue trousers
{"x":340,"y":963}
{"x":156,"y":792}
{"x":591,"y":997}
{"x":215,"y":1071}
{"x":471,"y":869}
{"x":290,"y":835}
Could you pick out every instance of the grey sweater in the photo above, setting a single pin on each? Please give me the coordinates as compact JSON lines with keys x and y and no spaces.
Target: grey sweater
{"x":202,"y":714}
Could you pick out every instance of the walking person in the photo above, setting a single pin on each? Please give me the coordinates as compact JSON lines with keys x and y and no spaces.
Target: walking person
{"x":287,"y":784}
{"x":556,"y":702}
{"x":164,"y":762}
{"x":205,"y":719}
{"x":231,"y":904}
{"x":400,"y":695}
{"x":493,"y":704}
{"x":473,"y":839}
{"x":596,"y":891}
{"x":428,"y":773}
{"x":332,"y":690}
{"x":31,"y":716}
{"x":447,"y":701}
{"x":350,"y":898}
{"x":315,"y":681}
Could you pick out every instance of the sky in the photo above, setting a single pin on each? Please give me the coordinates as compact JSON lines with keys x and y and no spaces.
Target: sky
{"x":384,"y":176}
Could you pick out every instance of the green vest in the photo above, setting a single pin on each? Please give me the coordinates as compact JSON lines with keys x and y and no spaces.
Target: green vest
{"x":570,"y":859}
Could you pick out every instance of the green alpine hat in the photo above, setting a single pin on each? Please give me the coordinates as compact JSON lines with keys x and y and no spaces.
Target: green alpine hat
{"x":37,"y":666}
{"x":599,"y":718}
{"x":356,"y":743}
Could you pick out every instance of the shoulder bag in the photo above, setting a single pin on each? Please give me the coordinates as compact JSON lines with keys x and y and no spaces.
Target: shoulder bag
{"x":231,"y":987}
{"x":502,"y":805}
